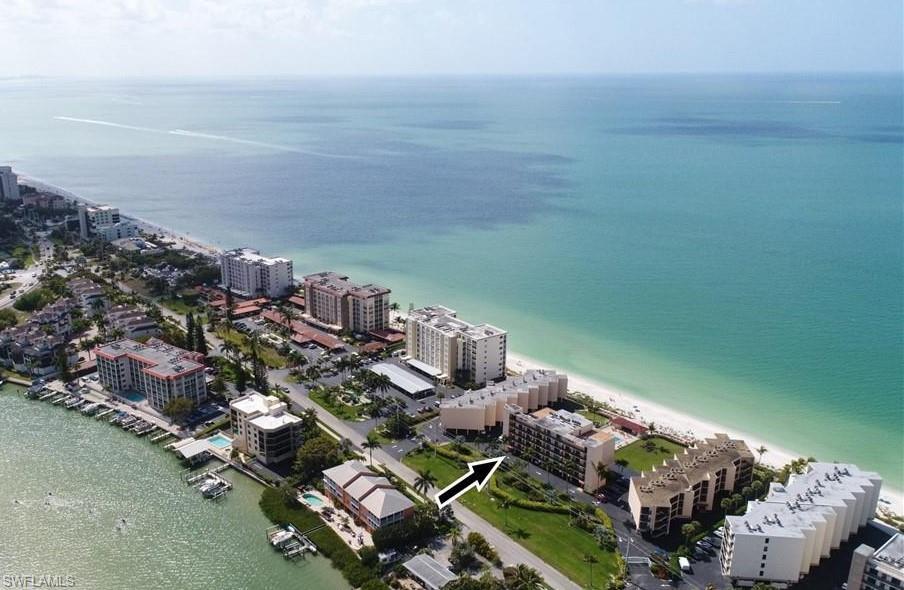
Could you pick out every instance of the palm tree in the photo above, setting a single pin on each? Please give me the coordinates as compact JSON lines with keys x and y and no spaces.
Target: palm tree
{"x":370,"y":444}
{"x":505,"y":505}
{"x":761,"y":450}
{"x":424,"y":481}
{"x":382,"y":383}
{"x":522,"y":577}
{"x":590,"y":559}
{"x":601,"y":471}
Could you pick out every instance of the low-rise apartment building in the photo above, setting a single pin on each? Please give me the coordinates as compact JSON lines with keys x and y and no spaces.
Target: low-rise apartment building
{"x":692,"y":481}
{"x":131,"y":322}
{"x":453,"y":349}
{"x":262,"y":426}
{"x":249,"y":274}
{"x":477,"y":411}
{"x":87,"y":294}
{"x":36,"y":347}
{"x":562,"y":442}
{"x":878,"y":569}
{"x":368,"y":497}
{"x":29,"y":350}
{"x":337,"y":304}
{"x":777,"y":540}
{"x":159,"y":371}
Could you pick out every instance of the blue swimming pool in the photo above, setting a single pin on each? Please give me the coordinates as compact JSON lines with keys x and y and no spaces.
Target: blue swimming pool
{"x":312,"y":500}
{"x":219,"y":441}
{"x":132,"y":396}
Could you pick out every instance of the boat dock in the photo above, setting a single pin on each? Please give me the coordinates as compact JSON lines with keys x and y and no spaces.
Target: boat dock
{"x":92,"y":403}
{"x":290,"y":541}
{"x":191,"y":479}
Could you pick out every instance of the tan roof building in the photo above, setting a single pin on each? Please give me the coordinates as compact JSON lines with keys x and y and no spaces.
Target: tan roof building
{"x":690,"y":482}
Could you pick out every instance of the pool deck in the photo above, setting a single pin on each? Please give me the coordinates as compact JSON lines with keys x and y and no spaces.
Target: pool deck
{"x":341,"y":522}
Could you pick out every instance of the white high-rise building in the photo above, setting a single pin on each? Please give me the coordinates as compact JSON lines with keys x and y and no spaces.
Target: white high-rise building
{"x":452,"y":349}
{"x":780,"y":538}
{"x":249,"y":274}
{"x":263,"y":427}
{"x":9,"y":184}
{"x":104,"y":222}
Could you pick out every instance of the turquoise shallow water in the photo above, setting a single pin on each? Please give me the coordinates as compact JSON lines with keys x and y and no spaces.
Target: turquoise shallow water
{"x":96,"y":476}
{"x":731,"y":246}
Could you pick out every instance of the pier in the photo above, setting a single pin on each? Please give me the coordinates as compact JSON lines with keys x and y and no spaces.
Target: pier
{"x":290,"y":541}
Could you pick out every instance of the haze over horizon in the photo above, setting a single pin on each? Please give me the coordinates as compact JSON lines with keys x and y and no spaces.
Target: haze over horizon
{"x":419,"y":37}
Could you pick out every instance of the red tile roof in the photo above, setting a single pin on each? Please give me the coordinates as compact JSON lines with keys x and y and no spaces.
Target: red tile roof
{"x":630,"y":425}
{"x":388,"y":335}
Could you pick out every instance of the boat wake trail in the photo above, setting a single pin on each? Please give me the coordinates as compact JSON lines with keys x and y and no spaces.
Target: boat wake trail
{"x":273,"y":146}
{"x":207,"y":136}
{"x":109,"y":124}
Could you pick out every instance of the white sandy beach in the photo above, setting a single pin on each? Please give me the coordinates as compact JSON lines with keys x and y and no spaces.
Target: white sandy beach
{"x":631,"y":405}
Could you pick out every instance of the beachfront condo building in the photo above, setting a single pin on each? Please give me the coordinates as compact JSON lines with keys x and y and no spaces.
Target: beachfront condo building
{"x":450,"y":349}
{"x":104,"y":222}
{"x":881,"y":569}
{"x":249,"y":274}
{"x":566,"y":444}
{"x":691,"y":482}
{"x":477,"y":411}
{"x":368,"y":497}
{"x":778,"y":539}
{"x":334,"y":303}
{"x":9,"y":184}
{"x":157,"y":370}
{"x":262,"y":426}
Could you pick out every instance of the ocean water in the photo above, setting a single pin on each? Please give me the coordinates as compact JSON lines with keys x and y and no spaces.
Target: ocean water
{"x":731,"y":246}
{"x":67,"y":485}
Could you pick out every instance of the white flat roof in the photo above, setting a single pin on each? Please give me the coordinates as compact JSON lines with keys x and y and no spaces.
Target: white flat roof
{"x":424,"y":367}
{"x":401,"y":378}
{"x":268,"y":422}
{"x":195,"y":447}
{"x":429,"y":571}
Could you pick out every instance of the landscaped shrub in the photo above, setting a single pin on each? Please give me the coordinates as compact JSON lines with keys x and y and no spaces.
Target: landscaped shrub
{"x":526,"y":504}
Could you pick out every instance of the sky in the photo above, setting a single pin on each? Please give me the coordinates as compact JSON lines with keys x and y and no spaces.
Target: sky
{"x":140,"y":38}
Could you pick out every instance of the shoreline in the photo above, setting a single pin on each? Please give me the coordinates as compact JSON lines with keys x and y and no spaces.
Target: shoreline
{"x":676,"y":422}
{"x":666,"y":418}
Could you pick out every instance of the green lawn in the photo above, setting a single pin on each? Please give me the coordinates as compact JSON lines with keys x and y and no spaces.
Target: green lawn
{"x":336,"y":408}
{"x":268,"y":354}
{"x":546,"y":534}
{"x":641,"y":459}
{"x":179,"y":305}
{"x":596,"y":418}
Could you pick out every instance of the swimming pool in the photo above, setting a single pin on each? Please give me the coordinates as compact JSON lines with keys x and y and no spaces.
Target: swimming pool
{"x":312,"y":500}
{"x":132,"y":396}
{"x":219,"y":441}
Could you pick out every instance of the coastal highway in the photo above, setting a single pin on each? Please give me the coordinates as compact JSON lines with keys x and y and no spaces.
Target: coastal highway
{"x":509,"y":551}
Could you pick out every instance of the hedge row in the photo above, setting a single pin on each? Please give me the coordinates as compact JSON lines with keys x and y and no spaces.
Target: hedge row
{"x":448,"y":453}
{"x":275,"y":507}
{"x":526,"y":504}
